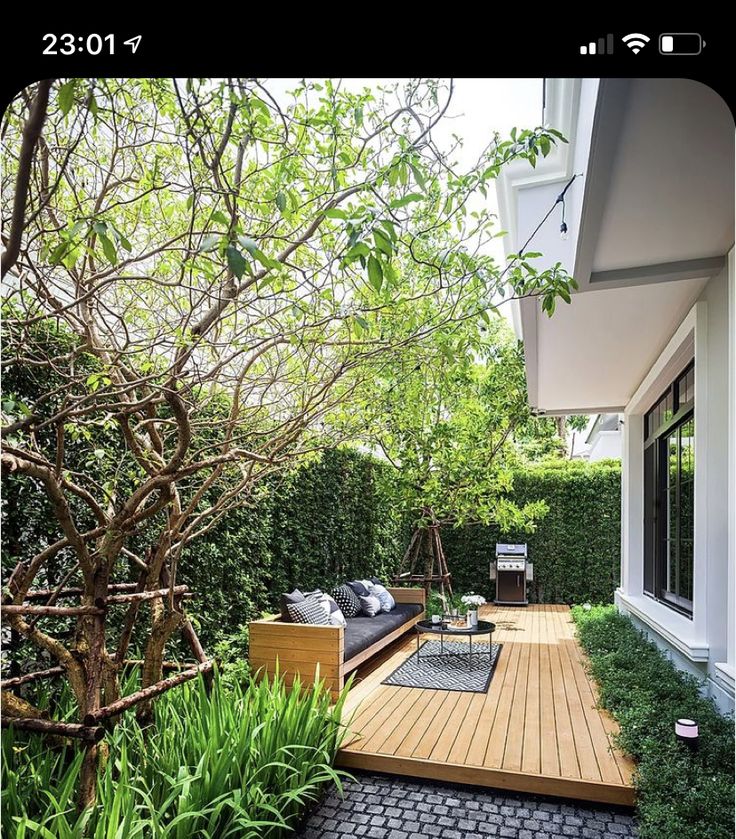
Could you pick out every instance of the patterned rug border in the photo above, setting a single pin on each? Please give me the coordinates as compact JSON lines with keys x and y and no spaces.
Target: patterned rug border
{"x":412,"y":659}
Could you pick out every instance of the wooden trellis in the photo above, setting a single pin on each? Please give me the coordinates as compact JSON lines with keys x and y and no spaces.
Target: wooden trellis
{"x":90,"y":729}
{"x":425,"y":552}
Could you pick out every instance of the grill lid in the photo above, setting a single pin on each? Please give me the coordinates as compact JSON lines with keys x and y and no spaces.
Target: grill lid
{"x":503,"y":550}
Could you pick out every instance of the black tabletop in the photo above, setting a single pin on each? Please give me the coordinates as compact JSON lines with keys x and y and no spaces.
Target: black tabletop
{"x":482,"y":628}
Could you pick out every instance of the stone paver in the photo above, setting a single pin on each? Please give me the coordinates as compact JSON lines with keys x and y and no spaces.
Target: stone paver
{"x":385,"y":807}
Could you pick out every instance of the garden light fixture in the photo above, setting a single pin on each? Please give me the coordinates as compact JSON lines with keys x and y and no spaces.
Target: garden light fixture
{"x":686,"y":732}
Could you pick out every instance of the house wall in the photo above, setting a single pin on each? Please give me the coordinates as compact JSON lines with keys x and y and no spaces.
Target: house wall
{"x":607,"y":444}
{"x":703,"y":644}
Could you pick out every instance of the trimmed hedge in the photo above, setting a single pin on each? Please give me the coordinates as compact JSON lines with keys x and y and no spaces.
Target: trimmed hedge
{"x":683,"y":794}
{"x":332,"y":519}
{"x":576,"y":548}
{"x":339,"y":517}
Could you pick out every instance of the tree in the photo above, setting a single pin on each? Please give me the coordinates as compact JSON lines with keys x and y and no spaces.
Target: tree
{"x":444,"y":415}
{"x":219,"y":262}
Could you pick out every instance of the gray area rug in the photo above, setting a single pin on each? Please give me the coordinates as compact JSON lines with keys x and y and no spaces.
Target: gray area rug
{"x":434,"y":671}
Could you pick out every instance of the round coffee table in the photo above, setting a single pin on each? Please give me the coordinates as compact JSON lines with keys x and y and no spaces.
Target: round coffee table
{"x":481,"y":628}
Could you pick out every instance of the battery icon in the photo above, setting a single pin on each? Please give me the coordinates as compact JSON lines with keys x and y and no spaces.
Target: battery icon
{"x":681,"y":43}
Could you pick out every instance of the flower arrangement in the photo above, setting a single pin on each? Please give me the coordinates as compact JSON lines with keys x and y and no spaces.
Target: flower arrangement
{"x":473,"y":600}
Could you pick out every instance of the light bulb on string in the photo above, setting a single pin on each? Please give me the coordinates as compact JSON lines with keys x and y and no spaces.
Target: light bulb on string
{"x":564,"y":235}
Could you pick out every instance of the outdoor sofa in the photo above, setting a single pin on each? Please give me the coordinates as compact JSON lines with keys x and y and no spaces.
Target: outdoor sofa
{"x":298,"y":649}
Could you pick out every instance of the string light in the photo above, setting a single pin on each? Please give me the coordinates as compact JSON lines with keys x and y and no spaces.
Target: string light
{"x":564,"y":235}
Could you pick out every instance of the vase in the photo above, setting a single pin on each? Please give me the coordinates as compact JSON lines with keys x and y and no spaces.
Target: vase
{"x":472,"y":617}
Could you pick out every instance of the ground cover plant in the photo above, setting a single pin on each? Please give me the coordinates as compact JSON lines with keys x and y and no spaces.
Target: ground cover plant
{"x":683,"y":794}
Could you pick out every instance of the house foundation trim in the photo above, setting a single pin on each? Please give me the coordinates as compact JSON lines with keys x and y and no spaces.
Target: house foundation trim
{"x":666,"y":623}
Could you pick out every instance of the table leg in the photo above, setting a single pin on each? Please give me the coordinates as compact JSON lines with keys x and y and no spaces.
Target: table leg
{"x":470,"y":653}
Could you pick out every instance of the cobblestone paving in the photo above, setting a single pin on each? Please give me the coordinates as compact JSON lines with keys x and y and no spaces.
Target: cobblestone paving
{"x":383,"y":807}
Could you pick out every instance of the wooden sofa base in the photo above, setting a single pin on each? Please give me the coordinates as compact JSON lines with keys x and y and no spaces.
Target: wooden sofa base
{"x":309,"y":653}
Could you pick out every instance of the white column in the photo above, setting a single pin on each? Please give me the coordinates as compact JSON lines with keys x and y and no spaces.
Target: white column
{"x":632,"y":505}
{"x":731,"y":457}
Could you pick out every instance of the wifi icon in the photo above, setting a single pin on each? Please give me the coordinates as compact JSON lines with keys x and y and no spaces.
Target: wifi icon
{"x":636,"y":41}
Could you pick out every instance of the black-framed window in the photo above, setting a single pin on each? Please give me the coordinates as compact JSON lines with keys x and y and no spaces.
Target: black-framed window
{"x":669,"y":481}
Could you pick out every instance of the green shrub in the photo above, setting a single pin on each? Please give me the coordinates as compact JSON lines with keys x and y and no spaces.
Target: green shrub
{"x":242,"y":762}
{"x":576,"y":548}
{"x":683,"y":794}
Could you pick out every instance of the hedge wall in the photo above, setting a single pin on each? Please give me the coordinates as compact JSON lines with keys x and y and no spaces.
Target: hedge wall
{"x":337,"y":518}
{"x":576,"y":547}
{"x":331,"y":520}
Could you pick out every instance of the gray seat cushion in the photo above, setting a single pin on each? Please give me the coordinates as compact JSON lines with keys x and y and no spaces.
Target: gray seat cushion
{"x":362,"y":631}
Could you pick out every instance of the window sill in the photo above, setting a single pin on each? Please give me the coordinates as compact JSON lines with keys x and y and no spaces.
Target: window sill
{"x":672,"y":626}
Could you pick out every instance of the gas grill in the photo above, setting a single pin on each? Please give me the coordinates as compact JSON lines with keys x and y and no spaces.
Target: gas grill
{"x":511,"y":570}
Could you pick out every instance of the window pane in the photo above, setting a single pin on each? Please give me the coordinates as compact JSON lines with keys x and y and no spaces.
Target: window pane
{"x":686,"y":569}
{"x":667,"y":408}
{"x":669,"y":469}
{"x":686,"y":387}
{"x":650,"y":517}
{"x":672,"y":460}
{"x":687,"y":508}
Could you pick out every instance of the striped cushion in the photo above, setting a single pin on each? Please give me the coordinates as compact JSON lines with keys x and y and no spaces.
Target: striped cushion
{"x":308,"y":611}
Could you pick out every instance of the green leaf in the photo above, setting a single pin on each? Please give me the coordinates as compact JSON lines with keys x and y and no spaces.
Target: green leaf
{"x":108,"y":249}
{"x":219,"y":217}
{"x":66,"y":96}
{"x":235,"y":261}
{"x":358,"y":249}
{"x":334,"y":212}
{"x":362,"y":322}
{"x":382,"y":242}
{"x":418,"y":177}
{"x":57,"y":254}
{"x":397,"y":203}
{"x":375,"y":272}
{"x":281,"y":201}
{"x":120,"y":239}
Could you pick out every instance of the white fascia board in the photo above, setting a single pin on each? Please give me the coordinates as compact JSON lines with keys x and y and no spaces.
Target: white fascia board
{"x":562,"y":102}
{"x":561,"y":113}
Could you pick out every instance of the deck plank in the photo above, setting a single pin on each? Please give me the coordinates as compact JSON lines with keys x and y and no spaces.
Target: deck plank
{"x":538,"y":728}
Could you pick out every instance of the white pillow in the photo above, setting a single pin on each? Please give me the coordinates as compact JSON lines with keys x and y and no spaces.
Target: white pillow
{"x":370,"y":605}
{"x":384,"y":597}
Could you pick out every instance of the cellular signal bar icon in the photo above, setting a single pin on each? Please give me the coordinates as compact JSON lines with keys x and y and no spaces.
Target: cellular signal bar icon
{"x":603,"y":46}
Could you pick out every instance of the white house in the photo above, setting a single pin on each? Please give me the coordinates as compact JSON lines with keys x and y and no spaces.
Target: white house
{"x":604,"y":439}
{"x":649,"y":335}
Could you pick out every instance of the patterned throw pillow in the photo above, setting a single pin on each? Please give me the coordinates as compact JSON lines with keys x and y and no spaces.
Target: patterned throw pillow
{"x":384,"y":596}
{"x":359,"y":587}
{"x":370,"y":605}
{"x":347,"y":600}
{"x":332,"y":610}
{"x":292,"y":597}
{"x":308,"y":611}
{"x":336,"y":616}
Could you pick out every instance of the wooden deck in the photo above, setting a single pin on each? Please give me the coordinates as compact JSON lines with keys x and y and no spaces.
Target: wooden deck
{"x":537,"y":729}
